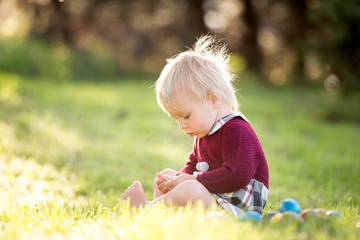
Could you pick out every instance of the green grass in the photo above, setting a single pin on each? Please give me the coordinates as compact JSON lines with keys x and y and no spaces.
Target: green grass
{"x":68,"y":150}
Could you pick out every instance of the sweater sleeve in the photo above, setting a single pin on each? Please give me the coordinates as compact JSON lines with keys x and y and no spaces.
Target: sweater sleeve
{"x":190,"y":165}
{"x":241,"y":154}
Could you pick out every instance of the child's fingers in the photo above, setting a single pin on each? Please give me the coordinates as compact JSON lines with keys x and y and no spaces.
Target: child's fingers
{"x":171,"y":183}
{"x":162,"y":188}
{"x":160,"y":181}
{"x":160,"y":176}
{"x":163,"y":184}
{"x":163,"y":178}
{"x":169,"y":186}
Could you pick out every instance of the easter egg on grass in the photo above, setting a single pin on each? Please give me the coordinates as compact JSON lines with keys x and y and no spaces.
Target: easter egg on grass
{"x":276,"y":217}
{"x":320,"y":211}
{"x":266,"y":217}
{"x":252,"y":216}
{"x":310,"y":214}
{"x":286,"y":218}
{"x":290,"y":205}
{"x":291,"y":217}
{"x":333,"y":213}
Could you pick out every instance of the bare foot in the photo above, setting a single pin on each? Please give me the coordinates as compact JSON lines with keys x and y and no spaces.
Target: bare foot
{"x":135,"y":194}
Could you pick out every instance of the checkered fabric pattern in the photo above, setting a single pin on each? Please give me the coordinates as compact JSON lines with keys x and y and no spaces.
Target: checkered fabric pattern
{"x":252,"y":197}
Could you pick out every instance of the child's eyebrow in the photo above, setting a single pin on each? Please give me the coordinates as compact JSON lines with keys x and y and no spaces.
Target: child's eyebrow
{"x":178,"y":114}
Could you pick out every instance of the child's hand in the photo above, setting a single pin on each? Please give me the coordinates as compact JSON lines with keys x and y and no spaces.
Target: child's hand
{"x":161,"y":182}
{"x":172,"y":183}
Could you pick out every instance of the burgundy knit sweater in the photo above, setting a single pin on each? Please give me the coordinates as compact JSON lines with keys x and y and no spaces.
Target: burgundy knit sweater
{"x":235,"y":156}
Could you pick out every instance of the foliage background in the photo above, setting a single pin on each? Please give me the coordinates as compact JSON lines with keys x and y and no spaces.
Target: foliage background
{"x":281,"y":42}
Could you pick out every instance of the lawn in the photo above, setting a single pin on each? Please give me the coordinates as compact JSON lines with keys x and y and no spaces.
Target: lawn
{"x":69,"y":149}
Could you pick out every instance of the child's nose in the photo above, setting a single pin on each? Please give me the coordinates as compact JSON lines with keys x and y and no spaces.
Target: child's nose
{"x":182,"y":125}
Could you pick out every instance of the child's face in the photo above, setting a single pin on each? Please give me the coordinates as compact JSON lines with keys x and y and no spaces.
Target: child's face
{"x":196,"y":116}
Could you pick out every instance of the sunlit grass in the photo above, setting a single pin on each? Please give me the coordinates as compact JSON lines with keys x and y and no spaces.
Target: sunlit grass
{"x":24,"y":182}
{"x":86,"y":219}
{"x":68,"y":150}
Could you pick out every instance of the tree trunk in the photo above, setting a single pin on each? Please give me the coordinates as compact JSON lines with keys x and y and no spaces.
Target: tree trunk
{"x":297,"y":37}
{"x":251,"y":49}
{"x":58,"y":28}
{"x":195,"y":26}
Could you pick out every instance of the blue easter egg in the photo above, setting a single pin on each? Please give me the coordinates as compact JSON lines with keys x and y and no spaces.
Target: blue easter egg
{"x":290,"y":205}
{"x":251,"y":216}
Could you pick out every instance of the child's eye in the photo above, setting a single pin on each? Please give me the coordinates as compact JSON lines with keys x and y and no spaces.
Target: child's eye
{"x":187,"y":116}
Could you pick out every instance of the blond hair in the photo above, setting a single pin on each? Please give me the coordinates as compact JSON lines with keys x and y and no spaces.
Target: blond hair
{"x":200,"y":70}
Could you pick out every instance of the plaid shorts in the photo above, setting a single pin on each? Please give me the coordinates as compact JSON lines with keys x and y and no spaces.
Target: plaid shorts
{"x":252,"y":197}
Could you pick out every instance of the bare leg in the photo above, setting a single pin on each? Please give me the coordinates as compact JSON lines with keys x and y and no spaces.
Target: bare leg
{"x":167,"y":171}
{"x":187,"y":192}
{"x":135,"y":193}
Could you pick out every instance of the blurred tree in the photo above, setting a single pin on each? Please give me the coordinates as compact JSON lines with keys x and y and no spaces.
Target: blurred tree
{"x":251,"y":49}
{"x":285,"y":41}
{"x":195,"y":26}
{"x":337,"y":40}
{"x":50,"y":20}
{"x":295,"y":36}
{"x":58,"y":29}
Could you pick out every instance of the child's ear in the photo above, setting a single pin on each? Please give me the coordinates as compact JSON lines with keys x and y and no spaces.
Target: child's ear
{"x":214,"y":98}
